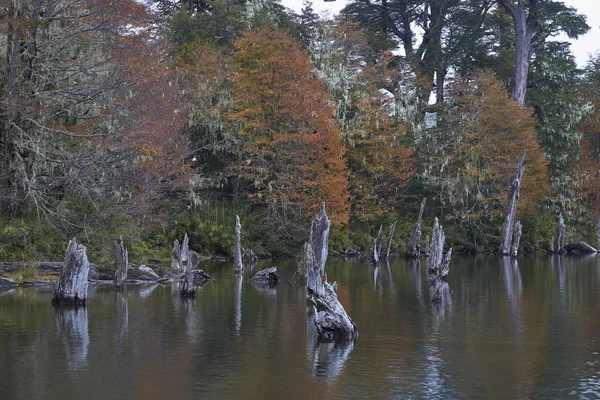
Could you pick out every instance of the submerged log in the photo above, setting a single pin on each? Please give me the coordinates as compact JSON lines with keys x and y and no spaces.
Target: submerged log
{"x":121,"y":263}
{"x":72,"y":284}
{"x":581,"y":247}
{"x":201,"y":278}
{"x":438,"y":265}
{"x":516,"y":239}
{"x":511,"y":207}
{"x":188,"y":289}
{"x":375,"y":252}
{"x":561,"y":229}
{"x":175,"y":257}
{"x":330,"y":318}
{"x":413,"y":246}
{"x":388,"y":244}
{"x":267,"y":277}
{"x":238,"y":264}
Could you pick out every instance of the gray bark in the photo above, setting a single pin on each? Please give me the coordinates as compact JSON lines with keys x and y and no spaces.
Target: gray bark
{"x":306,"y":258}
{"x":141,"y":273}
{"x":375,"y":252}
{"x":413,"y":246}
{"x":267,"y":277}
{"x":516,"y":239}
{"x":388,"y":244}
{"x":551,"y":247}
{"x":581,"y":247}
{"x":598,"y":234}
{"x":121,"y":263}
{"x":175,"y":257}
{"x":72,"y":284}
{"x":426,"y":246}
{"x":561,"y":229}
{"x":438,"y":265}
{"x":319,"y":238}
{"x":188,"y":289}
{"x":238,"y":264}
{"x":511,"y":207}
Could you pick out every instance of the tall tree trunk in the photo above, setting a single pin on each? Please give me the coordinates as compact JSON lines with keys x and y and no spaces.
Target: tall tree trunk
{"x":413,"y":246}
{"x":121,"y":264}
{"x":516,"y":239}
{"x":511,"y":207}
{"x":561,"y":229}
{"x":238,"y":264}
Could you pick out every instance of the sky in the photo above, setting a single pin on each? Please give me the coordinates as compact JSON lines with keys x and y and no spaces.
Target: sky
{"x":582,"y":47}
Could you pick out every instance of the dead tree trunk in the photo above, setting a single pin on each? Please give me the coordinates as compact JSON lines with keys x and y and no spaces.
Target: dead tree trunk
{"x":511,"y":207}
{"x":319,"y":238}
{"x":426,"y":246}
{"x":175,"y":257}
{"x":388,"y":244}
{"x":330,"y":318}
{"x":438,"y":266}
{"x":598,"y":234}
{"x":516,"y":239}
{"x":188,"y":289}
{"x":413,"y":246}
{"x":72,"y":285}
{"x":561,"y":229}
{"x":238,"y":264}
{"x":121,"y":264}
{"x":306,"y":259}
{"x":375,"y":252}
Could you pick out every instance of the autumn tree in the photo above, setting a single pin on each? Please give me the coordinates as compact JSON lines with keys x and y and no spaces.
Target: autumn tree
{"x":469,"y":166}
{"x":292,"y":154}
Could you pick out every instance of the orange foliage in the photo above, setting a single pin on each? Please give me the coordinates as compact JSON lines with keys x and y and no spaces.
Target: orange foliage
{"x":292,"y":151}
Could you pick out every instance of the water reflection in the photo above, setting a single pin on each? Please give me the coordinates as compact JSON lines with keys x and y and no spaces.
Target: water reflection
{"x":121,"y":313}
{"x":146,"y":290}
{"x":514,"y":287}
{"x":238,"y":302}
{"x":72,"y":325}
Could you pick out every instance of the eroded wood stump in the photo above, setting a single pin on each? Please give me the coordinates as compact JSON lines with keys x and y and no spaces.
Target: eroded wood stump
{"x":438,"y":265}
{"x":72,"y":284}
{"x":121,"y":264}
{"x":238,"y":264}
{"x":413,"y":246}
{"x":511,"y":207}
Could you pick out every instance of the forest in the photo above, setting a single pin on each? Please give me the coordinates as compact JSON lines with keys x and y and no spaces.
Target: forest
{"x":148,"y":119}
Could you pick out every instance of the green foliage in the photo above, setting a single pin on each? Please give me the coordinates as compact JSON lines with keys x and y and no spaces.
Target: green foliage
{"x":24,"y":240}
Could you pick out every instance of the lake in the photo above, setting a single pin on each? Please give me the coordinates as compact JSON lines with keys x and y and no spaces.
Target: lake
{"x":529,"y":329}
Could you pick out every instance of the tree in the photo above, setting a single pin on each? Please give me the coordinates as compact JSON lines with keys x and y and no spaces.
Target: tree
{"x":469,"y":167}
{"x":292,"y":154}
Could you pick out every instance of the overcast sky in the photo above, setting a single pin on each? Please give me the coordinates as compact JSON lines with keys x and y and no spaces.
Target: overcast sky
{"x":590,"y":43}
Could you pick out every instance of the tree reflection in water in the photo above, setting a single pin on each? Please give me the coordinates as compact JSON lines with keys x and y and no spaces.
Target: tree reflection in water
{"x":72,"y":324}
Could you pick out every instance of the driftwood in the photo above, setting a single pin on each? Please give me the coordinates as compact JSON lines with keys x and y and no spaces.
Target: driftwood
{"x":511,"y":207}
{"x":329,"y":316}
{"x":581,"y":247}
{"x":375,"y":252}
{"x":72,"y":284}
{"x":516,"y":239}
{"x":438,"y":265}
{"x":561,"y":229}
{"x":141,"y":273}
{"x":238,"y":264}
{"x":188,"y":289}
{"x":175,"y":257}
{"x":267,"y":277}
{"x":388,"y":243}
{"x":6,"y":283}
{"x":413,"y":246}
{"x":121,"y":263}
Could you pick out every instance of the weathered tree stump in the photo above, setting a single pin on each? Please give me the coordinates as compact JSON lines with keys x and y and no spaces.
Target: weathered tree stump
{"x":330,"y":318}
{"x":551,"y":246}
{"x":72,"y":284}
{"x":375,"y":252}
{"x":319,"y":238}
{"x":438,"y":266}
{"x":598,"y":234}
{"x":121,"y":264}
{"x":516,"y":239}
{"x":413,"y":246}
{"x":188,"y":289}
{"x":561,"y":229}
{"x":267,"y":277}
{"x":426,"y":246}
{"x":511,"y":207}
{"x":175,"y":257}
{"x":306,"y":259}
{"x":581,"y":247}
{"x":238,"y":264}
{"x":388,"y":243}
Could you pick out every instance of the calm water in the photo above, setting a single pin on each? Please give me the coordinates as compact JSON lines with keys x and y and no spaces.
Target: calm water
{"x":530,"y":330}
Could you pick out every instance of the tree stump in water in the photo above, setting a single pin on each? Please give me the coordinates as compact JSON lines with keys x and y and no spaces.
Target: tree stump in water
{"x":121,"y":264}
{"x":330,"y":318}
{"x":598,"y":234}
{"x":238,"y":264}
{"x":188,"y":289}
{"x":413,"y":246}
{"x":267,"y":277}
{"x":176,"y":257}
{"x":72,"y":284}
{"x":581,"y":247}
{"x":319,"y":238}
{"x":375,"y":252}
{"x":388,"y":244}
{"x":561,"y":229}
{"x":516,"y":239}
{"x":511,"y":207}
{"x":438,"y":266}
{"x":426,"y":246}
